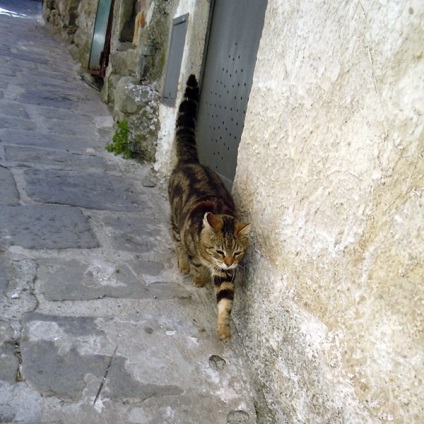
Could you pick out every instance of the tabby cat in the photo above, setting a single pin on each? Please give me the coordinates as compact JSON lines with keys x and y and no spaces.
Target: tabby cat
{"x":210,"y":240}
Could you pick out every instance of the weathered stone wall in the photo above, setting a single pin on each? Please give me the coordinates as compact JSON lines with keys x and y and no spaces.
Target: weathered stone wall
{"x":330,"y":173}
{"x":62,"y":15}
{"x":132,"y":81}
{"x":141,"y":54}
{"x":131,"y":85}
{"x":74,"y":19}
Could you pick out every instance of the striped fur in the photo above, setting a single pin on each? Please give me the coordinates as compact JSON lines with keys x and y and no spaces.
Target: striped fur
{"x":210,"y":239}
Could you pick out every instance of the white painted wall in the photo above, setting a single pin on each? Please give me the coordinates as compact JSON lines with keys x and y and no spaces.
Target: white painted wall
{"x":191,"y":63}
{"x":330,"y":173}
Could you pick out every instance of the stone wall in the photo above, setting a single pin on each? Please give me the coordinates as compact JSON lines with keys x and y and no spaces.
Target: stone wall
{"x":74,"y":20}
{"x":132,"y":82}
{"x":330,"y":173}
{"x":62,"y":15}
{"x":133,"y":78}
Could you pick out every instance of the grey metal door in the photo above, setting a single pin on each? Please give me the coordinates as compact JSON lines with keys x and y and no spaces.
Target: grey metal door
{"x":235,"y":32}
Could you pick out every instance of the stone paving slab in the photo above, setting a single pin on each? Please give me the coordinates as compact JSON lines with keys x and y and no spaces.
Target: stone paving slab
{"x":52,"y":157}
{"x":85,"y":189}
{"x":69,"y":127}
{"x":76,"y":280}
{"x":8,"y":192}
{"x":136,"y":233}
{"x":17,"y":294}
{"x":45,"y":227}
{"x":13,"y":108}
{"x":3,"y":274}
{"x":83,"y":280}
{"x":61,"y":116}
{"x":8,"y":361}
{"x":83,"y":348}
{"x":53,"y":100}
{"x":21,"y":7}
{"x":27,"y":56}
{"x":13,"y":122}
{"x":76,"y":144}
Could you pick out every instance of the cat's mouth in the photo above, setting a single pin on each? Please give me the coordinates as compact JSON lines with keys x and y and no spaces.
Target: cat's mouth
{"x":226,"y":267}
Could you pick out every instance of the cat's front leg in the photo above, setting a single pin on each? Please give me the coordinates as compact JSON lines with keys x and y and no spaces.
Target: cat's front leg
{"x":224,"y":291}
{"x":201,"y":274}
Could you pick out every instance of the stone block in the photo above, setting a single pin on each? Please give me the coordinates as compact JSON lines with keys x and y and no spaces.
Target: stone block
{"x":8,"y":192}
{"x":86,"y":189}
{"x":45,"y":227}
{"x":139,"y":105}
{"x":62,"y":280}
{"x":124,"y":62}
{"x":138,"y":234}
{"x":33,"y":155}
{"x":51,"y":141}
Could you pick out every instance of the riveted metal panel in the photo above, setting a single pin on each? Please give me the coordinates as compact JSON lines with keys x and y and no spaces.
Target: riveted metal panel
{"x":175,"y":56}
{"x":235,"y":32}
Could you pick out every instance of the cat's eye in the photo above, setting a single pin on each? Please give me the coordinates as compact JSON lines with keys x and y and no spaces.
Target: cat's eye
{"x":220,"y":252}
{"x":238,"y":253}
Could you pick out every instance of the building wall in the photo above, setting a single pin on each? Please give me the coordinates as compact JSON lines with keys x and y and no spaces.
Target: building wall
{"x":191,"y":63}
{"x":62,"y":15}
{"x":330,"y":174}
{"x":138,"y":46}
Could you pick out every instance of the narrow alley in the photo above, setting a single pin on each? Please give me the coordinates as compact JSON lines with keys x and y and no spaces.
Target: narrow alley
{"x":96,"y":324}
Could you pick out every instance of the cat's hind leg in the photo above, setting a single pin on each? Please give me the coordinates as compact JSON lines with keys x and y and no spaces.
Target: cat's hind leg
{"x":183,"y":261}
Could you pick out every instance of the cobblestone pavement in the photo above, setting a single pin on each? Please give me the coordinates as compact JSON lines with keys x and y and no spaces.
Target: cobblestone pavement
{"x":96,"y":324}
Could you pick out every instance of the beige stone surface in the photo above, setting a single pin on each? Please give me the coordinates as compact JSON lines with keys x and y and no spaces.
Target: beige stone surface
{"x":330,"y":173}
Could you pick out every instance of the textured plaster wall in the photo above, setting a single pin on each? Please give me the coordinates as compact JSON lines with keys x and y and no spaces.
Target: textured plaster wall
{"x":331,"y":175}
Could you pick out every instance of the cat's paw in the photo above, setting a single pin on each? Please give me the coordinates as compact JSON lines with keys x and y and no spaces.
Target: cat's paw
{"x":184,"y":267}
{"x":199,"y":281}
{"x":224,"y":333}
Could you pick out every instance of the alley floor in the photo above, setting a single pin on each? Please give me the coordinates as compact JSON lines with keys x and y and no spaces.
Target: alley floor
{"x":96,"y":324}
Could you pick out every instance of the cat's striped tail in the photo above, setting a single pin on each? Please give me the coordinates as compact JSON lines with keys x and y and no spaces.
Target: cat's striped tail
{"x":186,"y":122}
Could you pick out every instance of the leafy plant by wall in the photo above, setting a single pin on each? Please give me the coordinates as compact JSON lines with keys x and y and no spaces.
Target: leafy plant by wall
{"x":119,"y":144}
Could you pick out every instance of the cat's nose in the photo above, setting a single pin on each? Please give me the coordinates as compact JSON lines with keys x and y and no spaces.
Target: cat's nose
{"x":228,"y":261}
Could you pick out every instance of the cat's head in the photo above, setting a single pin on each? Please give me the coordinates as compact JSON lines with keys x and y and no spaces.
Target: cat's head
{"x":224,"y":240}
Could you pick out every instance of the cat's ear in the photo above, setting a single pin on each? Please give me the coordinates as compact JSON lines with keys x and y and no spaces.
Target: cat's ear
{"x":242,"y":229}
{"x":213,"y":221}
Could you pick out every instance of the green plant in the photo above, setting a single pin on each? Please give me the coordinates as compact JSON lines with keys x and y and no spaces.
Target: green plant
{"x":119,"y":144}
